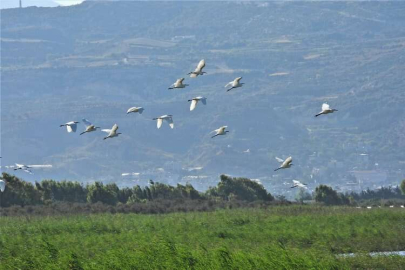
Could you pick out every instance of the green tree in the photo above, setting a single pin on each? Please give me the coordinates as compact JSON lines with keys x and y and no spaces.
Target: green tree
{"x":97,"y":192}
{"x":19,"y":192}
{"x":124,"y":194}
{"x":241,"y":189}
{"x":67,"y":191}
{"x":329,"y":196}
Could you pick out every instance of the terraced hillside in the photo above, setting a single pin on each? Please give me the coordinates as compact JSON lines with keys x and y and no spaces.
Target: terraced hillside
{"x":97,"y":59}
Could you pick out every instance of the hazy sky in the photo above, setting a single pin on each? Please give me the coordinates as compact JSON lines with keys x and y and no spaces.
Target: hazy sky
{"x":68,"y":2}
{"x":39,"y":3}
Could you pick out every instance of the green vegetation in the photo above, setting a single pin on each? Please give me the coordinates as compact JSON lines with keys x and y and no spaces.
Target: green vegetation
{"x":239,"y":189}
{"x":24,"y":193}
{"x":282,"y":237}
{"x":328,"y":196}
{"x":51,"y":197}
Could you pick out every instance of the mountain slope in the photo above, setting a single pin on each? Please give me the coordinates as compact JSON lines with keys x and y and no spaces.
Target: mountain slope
{"x":97,"y":59}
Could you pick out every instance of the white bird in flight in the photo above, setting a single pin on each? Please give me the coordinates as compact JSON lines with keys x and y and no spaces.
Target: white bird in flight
{"x":198,"y":70}
{"x":195,"y":100}
{"x":178,"y":84}
{"x":286,"y":163}
{"x":234,"y":84}
{"x":22,"y":167}
{"x":297,"y":183}
{"x":326,"y":109}
{"x":26,"y":168}
{"x":135,"y":110}
{"x":2,"y":185}
{"x":220,"y":131}
{"x":70,"y":126}
{"x":167,"y":117}
{"x":111,"y":132}
{"x":89,"y":127}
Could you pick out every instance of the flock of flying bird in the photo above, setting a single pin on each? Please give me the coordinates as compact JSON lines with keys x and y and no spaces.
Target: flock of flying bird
{"x":72,"y":125}
{"x":285,"y":164}
{"x":111,"y":133}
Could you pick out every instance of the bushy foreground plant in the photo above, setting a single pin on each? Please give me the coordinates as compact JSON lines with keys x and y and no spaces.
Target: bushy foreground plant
{"x":280,"y":237}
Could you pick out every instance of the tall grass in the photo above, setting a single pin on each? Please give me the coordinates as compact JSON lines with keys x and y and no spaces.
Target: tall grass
{"x":289,"y":237}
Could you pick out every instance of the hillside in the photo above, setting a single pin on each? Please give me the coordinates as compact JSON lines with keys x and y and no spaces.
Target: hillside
{"x":97,"y":59}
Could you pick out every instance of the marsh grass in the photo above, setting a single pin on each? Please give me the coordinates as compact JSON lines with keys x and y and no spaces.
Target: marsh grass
{"x":280,"y":237}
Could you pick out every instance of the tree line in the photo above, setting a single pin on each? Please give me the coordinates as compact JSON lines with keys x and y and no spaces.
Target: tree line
{"x":46,"y":192}
{"x":22,"y":193}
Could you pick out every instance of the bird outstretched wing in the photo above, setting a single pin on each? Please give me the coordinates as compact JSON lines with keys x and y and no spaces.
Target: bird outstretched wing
{"x":114,"y":128}
{"x":39,"y":166}
{"x":228,"y":84}
{"x":159,"y":122}
{"x":106,"y":130}
{"x":325,"y":107}
{"x":86,"y":122}
{"x":279,"y":159}
{"x":170,"y":121}
{"x":193,"y":104}
{"x":200,"y":66}
{"x":27,"y":171}
{"x":204,"y":101}
{"x":71,"y":128}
